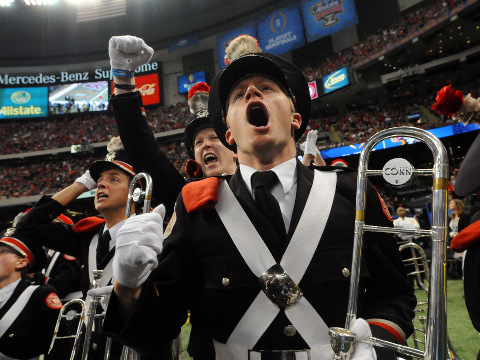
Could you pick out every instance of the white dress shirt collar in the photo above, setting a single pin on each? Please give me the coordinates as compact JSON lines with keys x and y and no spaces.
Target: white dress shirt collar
{"x":6,"y":292}
{"x":286,"y":173}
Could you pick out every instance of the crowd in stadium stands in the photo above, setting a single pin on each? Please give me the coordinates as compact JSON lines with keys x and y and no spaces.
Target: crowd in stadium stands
{"x":354,"y":126}
{"x":49,"y":175}
{"x":410,"y":22}
{"x":66,"y":130}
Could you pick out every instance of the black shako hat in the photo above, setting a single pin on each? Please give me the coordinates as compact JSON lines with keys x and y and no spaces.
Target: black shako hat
{"x":31,"y":250}
{"x":116,"y":159}
{"x":199,"y":121}
{"x":468,"y":178}
{"x":279,"y":69}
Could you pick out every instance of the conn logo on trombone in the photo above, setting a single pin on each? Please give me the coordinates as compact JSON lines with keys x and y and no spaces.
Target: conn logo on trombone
{"x":397,"y":171}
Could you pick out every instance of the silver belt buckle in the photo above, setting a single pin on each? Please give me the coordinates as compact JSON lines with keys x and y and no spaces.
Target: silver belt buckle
{"x":279,"y":354}
{"x":279,"y":287}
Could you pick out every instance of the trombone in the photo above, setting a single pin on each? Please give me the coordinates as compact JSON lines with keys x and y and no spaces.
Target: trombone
{"x":64,"y":314}
{"x":435,"y":322}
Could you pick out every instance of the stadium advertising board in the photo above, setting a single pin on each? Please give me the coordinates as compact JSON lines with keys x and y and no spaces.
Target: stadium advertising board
{"x":441,"y":132}
{"x":185,"y":82}
{"x":312,"y":87}
{"x":78,"y":97}
{"x":325,"y":17}
{"x":65,"y":77}
{"x":23,"y":102}
{"x":149,"y":86}
{"x":281,"y":31}
{"x":224,"y":39}
{"x":335,"y":81}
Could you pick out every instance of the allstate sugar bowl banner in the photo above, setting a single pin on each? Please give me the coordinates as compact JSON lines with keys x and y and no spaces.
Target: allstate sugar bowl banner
{"x":325,"y":17}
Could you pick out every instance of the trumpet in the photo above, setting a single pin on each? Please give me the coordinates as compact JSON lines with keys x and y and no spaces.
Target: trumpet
{"x":435,"y":321}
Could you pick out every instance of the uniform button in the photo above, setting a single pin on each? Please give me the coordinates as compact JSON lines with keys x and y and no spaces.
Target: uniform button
{"x":225,"y":281}
{"x":11,"y":335}
{"x":82,"y":266}
{"x":289,"y":330}
{"x":346,"y":272}
{"x":94,"y":346}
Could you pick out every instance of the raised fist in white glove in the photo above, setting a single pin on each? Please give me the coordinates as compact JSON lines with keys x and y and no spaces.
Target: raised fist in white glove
{"x":128,"y":53}
{"x":86,"y":179}
{"x":310,"y":145}
{"x":363,"y":351}
{"x":139,"y":242}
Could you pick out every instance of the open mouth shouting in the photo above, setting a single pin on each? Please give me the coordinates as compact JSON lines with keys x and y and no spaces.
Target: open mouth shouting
{"x":257,"y":115}
{"x":210,"y":159}
{"x":101,"y":195}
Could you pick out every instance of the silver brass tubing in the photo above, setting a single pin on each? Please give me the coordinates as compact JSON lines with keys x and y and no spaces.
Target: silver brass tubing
{"x":413,"y":232}
{"x":147,"y":193}
{"x":92,"y":310}
{"x":61,"y":316}
{"x":419,"y":172}
{"x":436,"y":338}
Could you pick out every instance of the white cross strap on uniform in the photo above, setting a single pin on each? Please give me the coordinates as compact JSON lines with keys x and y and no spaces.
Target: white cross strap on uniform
{"x":54,"y":258}
{"x":10,"y":316}
{"x":295,"y":262}
{"x":92,"y":265}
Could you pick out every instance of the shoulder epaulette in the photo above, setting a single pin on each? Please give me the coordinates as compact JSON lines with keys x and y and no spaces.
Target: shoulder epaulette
{"x":384,"y":206}
{"x":201,"y":195}
{"x":89,"y":224}
{"x":466,"y":238}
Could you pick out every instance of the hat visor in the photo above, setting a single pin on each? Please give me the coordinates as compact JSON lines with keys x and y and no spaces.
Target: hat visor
{"x":468,"y":179}
{"x":100,"y":166}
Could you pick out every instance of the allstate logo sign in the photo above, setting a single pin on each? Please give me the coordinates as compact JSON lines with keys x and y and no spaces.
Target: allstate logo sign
{"x":20,"y":97}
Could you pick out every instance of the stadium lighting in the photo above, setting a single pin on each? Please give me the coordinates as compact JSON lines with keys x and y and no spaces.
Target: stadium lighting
{"x":39,"y":2}
{"x":6,"y":2}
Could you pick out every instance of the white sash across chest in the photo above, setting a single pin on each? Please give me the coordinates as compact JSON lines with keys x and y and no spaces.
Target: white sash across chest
{"x":295,"y":261}
{"x":10,"y":316}
{"x":92,"y":265}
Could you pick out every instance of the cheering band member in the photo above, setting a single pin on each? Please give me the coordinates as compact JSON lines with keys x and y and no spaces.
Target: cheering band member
{"x":261,"y":258}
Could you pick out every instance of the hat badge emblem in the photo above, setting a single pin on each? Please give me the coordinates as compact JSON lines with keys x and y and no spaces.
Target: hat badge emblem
{"x":110,"y":156}
{"x":9,"y":232}
{"x":202,"y":113}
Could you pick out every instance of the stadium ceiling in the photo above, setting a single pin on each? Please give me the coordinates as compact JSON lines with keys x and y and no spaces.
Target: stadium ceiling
{"x":50,"y":35}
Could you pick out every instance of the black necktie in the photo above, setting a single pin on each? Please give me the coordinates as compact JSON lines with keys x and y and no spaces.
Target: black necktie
{"x":104,"y":245}
{"x":262,"y":182}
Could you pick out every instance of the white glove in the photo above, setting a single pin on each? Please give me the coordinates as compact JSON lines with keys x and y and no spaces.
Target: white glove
{"x":139,"y":242}
{"x":363,"y":351}
{"x":105,"y":292}
{"x":310,"y":145}
{"x":86,"y":179}
{"x":128,"y":53}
